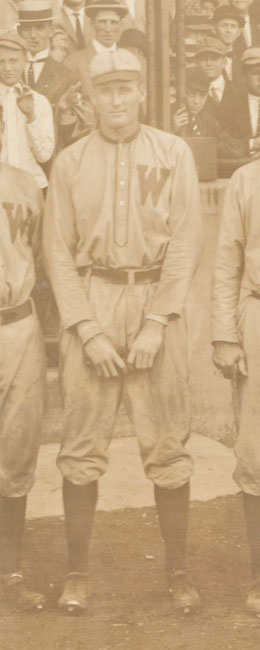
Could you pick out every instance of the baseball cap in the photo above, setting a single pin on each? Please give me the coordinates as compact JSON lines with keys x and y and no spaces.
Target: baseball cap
{"x":34,"y":11}
{"x":228,"y":12}
{"x":197,"y":79}
{"x":211,"y":44}
{"x":109,"y":66}
{"x":12,"y":40}
{"x":251,"y":57}
{"x":113,"y":5}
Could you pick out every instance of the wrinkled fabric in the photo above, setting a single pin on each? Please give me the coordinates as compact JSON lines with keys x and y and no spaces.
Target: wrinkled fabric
{"x":156,"y":400}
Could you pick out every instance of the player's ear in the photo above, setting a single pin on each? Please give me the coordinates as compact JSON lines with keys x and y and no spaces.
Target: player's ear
{"x":142,"y":90}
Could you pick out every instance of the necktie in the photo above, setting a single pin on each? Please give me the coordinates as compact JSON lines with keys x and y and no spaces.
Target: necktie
{"x":79,"y":32}
{"x":31,"y":79}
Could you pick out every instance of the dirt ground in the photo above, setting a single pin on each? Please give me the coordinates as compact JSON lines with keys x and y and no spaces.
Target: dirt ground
{"x":129,"y":607}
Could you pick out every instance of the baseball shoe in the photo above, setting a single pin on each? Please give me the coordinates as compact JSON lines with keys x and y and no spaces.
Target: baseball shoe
{"x":75,"y":595}
{"x":20,"y":596}
{"x":185,"y":596}
{"x":253,"y":599}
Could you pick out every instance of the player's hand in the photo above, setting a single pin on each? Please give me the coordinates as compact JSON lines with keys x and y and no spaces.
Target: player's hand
{"x":230,"y":359}
{"x":180,"y":119}
{"x":146,"y":346}
{"x":101,"y":353}
{"x":72,"y":97}
{"x":25,"y":101}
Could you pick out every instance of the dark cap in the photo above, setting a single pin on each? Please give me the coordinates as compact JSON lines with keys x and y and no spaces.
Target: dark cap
{"x":197,"y":79}
{"x":113,"y":5}
{"x":228,"y":12}
{"x":133,"y":38}
{"x":211,"y":44}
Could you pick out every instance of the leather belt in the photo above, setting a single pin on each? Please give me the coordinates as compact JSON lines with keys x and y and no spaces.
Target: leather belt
{"x":123,"y":276}
{"x":14,"y":314}
{"x":255,"y":294}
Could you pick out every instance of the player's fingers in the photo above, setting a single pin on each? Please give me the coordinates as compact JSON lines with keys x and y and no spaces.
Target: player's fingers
{"x":150,"y":361}
{"x":145,"y":361}
{"x":111,"y":369}
{"x":119,"y":362}
{"x":139,"y":360}
{"x":131,"y":358}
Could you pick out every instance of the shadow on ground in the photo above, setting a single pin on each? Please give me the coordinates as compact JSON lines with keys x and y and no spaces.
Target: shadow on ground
{"x":129,"y":608}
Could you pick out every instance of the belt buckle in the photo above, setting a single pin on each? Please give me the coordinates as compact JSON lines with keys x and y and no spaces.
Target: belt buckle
{"x":130,"y":279}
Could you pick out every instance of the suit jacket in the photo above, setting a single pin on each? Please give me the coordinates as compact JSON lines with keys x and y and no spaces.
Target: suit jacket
{"x":235,"y":115}
{"x":53,"y":80}
{"x":66,"y":25}
{"x":255,"y":31}
{"x":214,"y":108}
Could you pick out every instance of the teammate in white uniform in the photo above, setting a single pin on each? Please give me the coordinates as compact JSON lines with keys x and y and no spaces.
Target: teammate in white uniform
{"x":122,"y":239}
{"x":22,"y":375}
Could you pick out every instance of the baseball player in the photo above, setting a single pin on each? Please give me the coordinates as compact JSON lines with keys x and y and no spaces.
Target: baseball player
{"x":236,"y":336}
{"x":22,"y":374}
{"x":122,"y":239}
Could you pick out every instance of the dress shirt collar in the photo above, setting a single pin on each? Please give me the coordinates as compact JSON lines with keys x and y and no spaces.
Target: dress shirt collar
{"x":70,"y":12}
{"x":219,"y":83}
{"x":4,"y":90}
{"x":101,"y":48}
{"x":39,"y":55}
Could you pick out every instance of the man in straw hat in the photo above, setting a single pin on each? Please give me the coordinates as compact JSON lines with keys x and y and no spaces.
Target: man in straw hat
{"x":122,"y":240}
{"x":41,"y":73}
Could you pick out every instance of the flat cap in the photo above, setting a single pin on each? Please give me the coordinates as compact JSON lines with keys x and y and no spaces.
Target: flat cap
{"x":197,"y":79}
{"x":107,"y":5}
{"x":133,"y":38}
{"x":211,"y":44}
{"x":225,"y":12}
{"x":198,"y":22}
{"x":34,"y":11}
{"x":251,"y":56}
{"x":109,"y":66}
{"x":12,"y":40}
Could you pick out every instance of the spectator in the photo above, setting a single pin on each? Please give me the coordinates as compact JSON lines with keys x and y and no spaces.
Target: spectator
{"x":228,"y":24}
{"x":59,"y":45}
{"x":193,"y":120}
{"x":29,"y":135}
{"x":106,"y":29}
{"x":211,"y":57}
{"x":41,"y":72}
{"x":251,"y":33}
{"x":75,"y":24}
{"x":197,"y":27}
{"x":241,"y":110}
{"x":135,"y":41}
{"x":208,"y":7}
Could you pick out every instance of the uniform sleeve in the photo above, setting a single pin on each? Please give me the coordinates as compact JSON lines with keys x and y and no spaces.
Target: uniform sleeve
{"x":59,"y":244}
{"x":185,"y":245}
{"x":35,"y":235}
{"x":229,"y":265}
{"x":41,"y":130}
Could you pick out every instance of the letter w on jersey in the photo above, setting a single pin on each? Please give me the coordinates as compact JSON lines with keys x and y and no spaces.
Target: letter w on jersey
{"x":152,"y":182}
{"x":18,"y":221}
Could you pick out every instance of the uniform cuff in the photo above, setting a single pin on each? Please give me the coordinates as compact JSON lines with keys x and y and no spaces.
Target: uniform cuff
{"x":87,"y":330}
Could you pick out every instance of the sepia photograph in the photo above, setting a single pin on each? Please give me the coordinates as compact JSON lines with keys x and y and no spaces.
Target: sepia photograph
{"x":130,"y":324}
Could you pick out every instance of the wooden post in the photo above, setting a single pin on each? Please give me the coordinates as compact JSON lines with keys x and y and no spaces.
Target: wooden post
{"x":180,"y":52}
{"x":158,"y":63}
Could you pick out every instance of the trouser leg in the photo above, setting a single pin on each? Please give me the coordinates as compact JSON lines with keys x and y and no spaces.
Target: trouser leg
{"x":12,"y":528}
{"x":173,"y":508}
{"x":79,"y":507}
{"x":252,"y":515}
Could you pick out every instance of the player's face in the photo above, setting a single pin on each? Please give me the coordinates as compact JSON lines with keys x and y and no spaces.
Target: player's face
{"x":241,"y":5}
{"x":212,"y":64}
{"x":228,"y":31}
{"x":12,"y":64}
{"x":208,"y":9}
{"x":195,"y":100}
{"x":36,"y":36}
{"x":253,"y":81}
{"x":117,"y":103}
{"x":107,"y":26}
